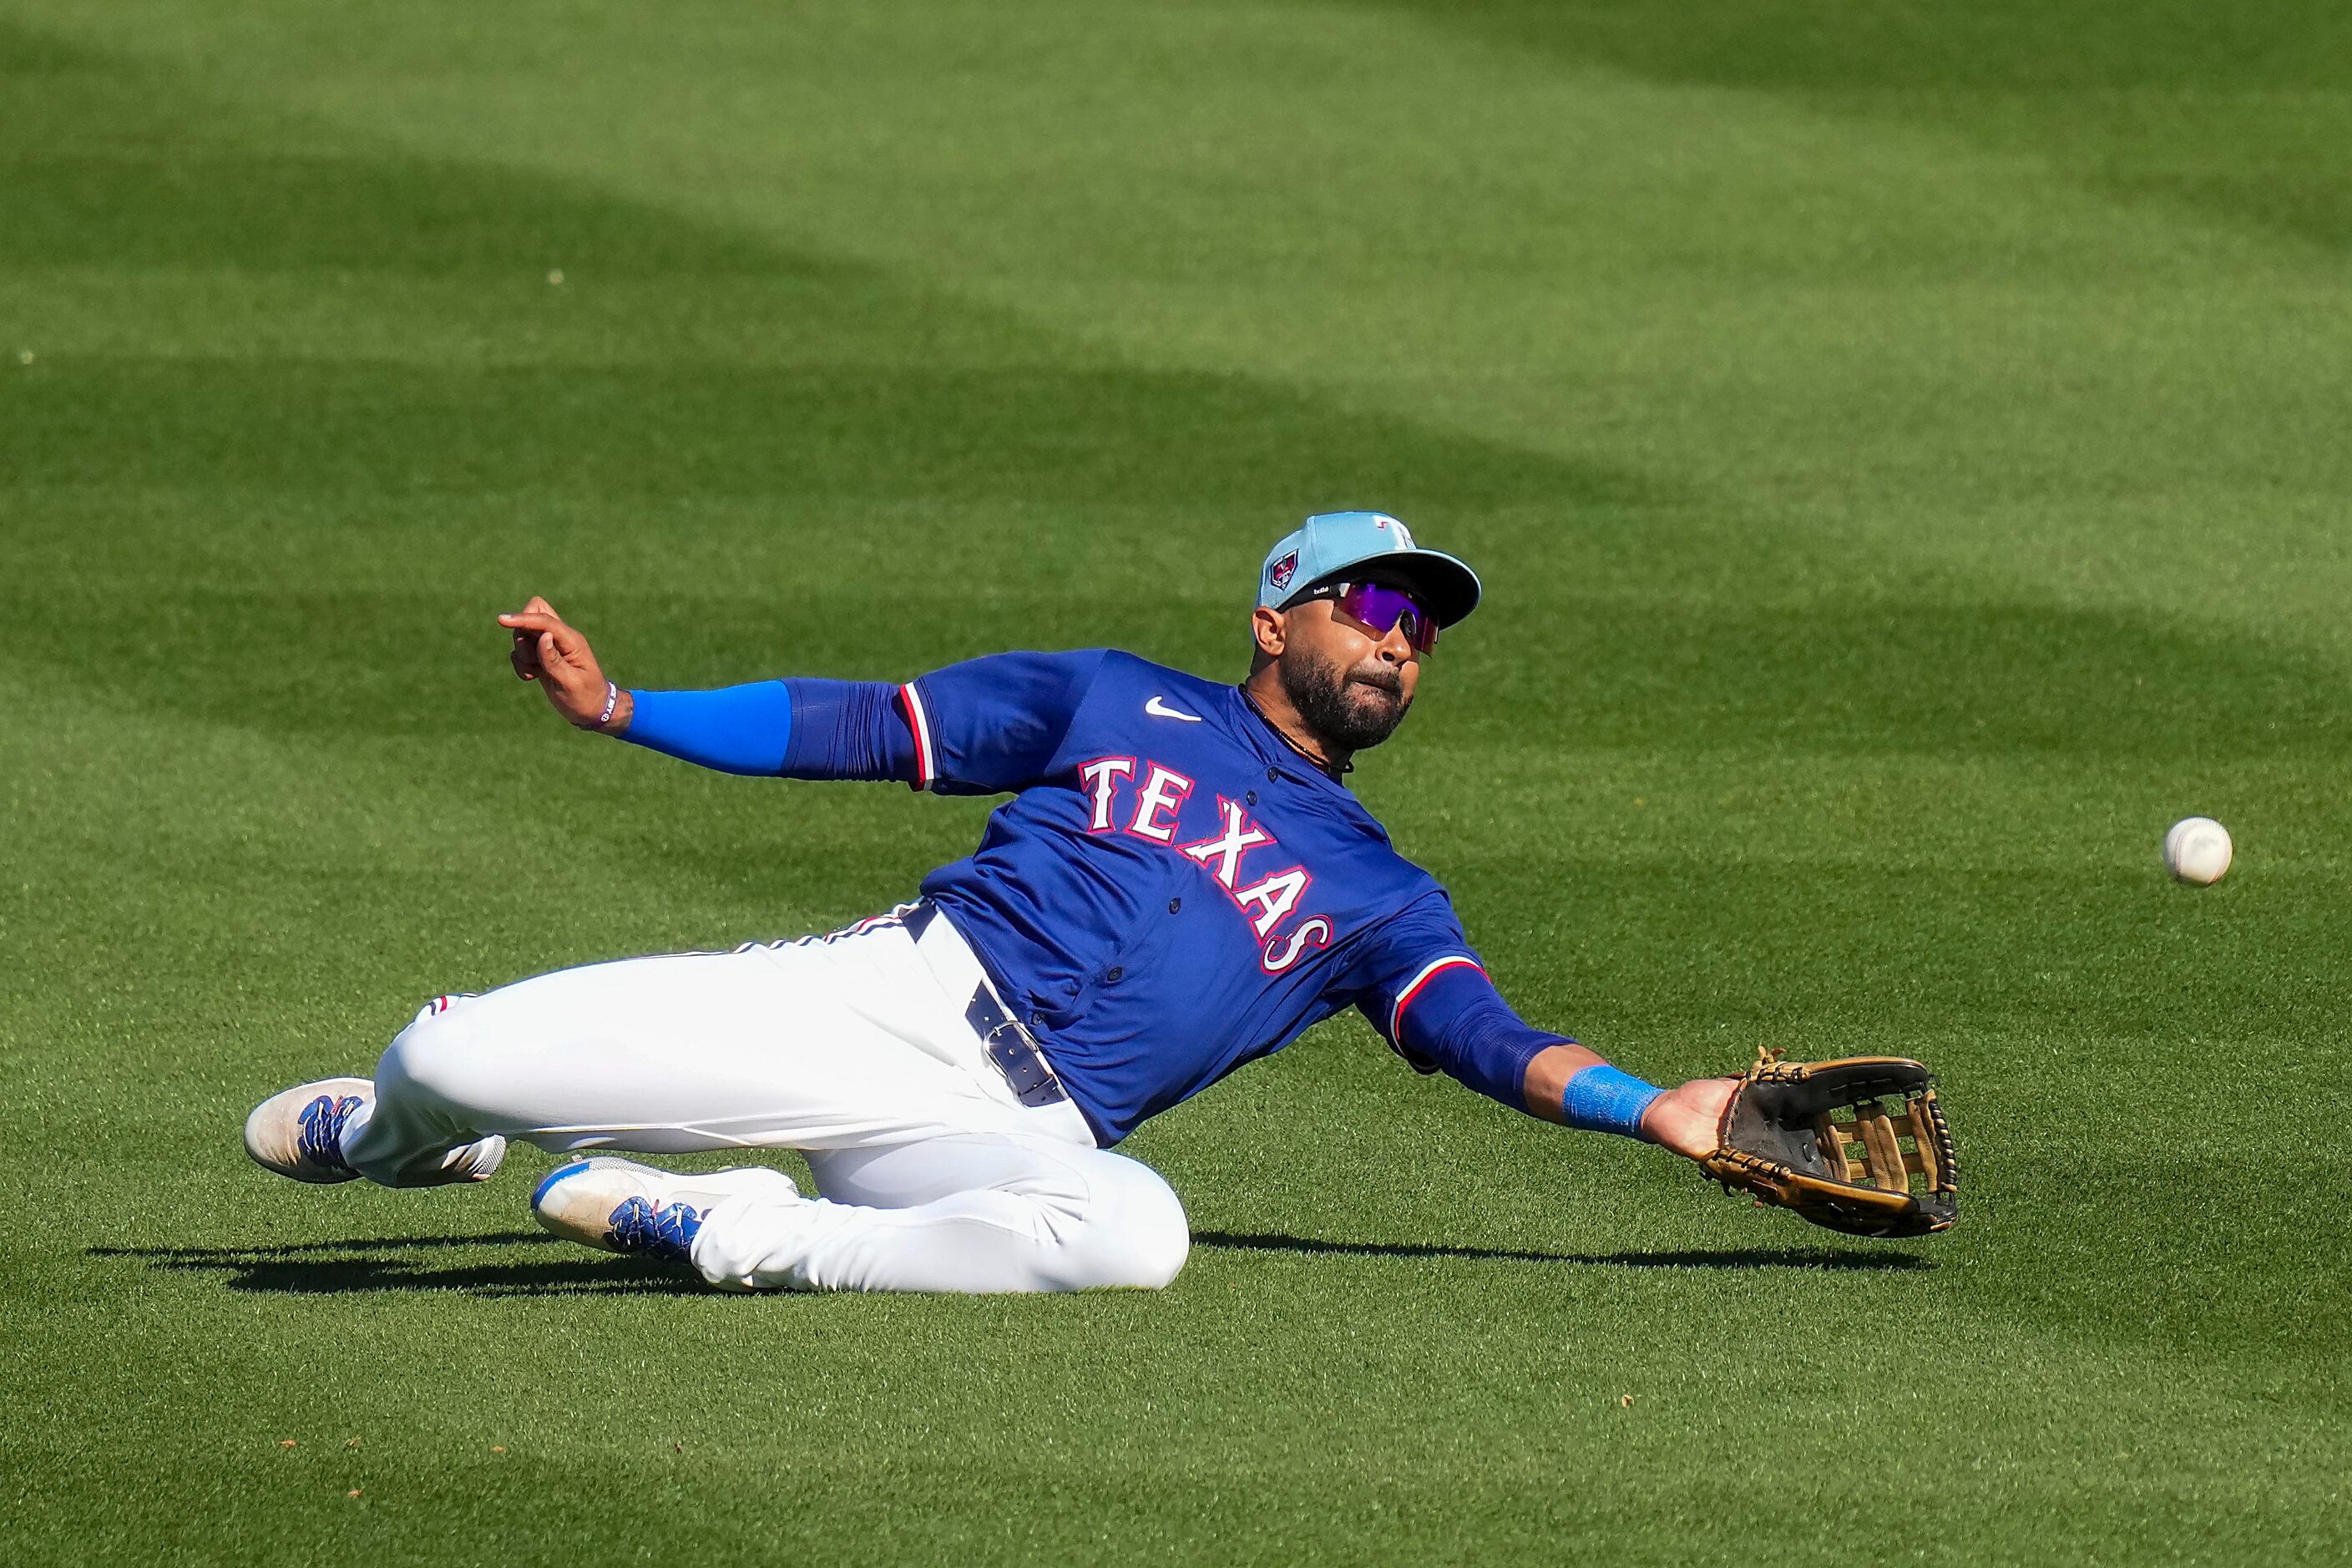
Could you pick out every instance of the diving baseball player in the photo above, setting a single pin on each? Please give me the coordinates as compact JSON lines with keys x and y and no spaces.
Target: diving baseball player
{"x":1180,"y":883}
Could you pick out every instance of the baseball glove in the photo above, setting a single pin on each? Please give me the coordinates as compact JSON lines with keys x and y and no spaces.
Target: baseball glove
{"x":1792,"y":1130}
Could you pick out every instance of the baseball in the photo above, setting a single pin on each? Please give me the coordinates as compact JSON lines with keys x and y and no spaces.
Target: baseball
{"x":2197,"y":851}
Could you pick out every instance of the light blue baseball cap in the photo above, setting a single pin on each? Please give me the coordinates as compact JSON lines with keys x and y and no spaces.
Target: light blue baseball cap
{"x":1329,"y":544}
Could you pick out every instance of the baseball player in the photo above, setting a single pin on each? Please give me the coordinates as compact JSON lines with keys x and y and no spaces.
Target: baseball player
{"x":1179,"y":883}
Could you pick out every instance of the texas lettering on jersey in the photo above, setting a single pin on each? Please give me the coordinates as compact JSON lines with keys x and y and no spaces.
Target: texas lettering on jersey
{"x":1133,"y":784}
{"x":1129,"y":788}
{"x":1171,"y":889}
{"x":1150,"y":813}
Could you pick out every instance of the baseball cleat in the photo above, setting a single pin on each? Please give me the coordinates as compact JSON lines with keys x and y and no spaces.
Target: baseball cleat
{"x":299,"y":1133}
{"x":619,"y":1206}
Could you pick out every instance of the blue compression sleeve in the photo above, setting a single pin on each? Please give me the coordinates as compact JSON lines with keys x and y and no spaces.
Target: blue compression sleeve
{"x":1459,"y":1022}
{"x":1601,"y":1099}
{"x":799,"y":729}
{"x":848,"y":730}
{"x":735,"y":729}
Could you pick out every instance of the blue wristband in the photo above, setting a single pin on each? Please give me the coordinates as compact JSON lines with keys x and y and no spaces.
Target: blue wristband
{"x":1600,"y":1099}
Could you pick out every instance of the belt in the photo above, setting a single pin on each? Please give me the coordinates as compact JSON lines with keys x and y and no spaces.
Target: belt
{"x":1008,"y":1045}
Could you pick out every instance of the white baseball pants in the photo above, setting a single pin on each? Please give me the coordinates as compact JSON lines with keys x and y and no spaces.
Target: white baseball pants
{"x":853,"y":1047}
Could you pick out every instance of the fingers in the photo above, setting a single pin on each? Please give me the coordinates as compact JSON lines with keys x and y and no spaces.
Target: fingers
{"x":524,"y":656}
{"x":547,"y":650}
{"x":554,"y":636}
{"x":537,"y":615}
{"x":538,"y":637}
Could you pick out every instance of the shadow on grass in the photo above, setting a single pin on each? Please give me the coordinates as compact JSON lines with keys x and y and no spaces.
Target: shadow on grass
{"x":340,"y":1267}
{"x":1739,"y":1257}
{"x":359,"y":1266}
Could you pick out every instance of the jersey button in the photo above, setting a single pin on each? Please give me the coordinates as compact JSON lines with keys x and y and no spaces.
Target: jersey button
{"x":1274,"y":775}
{"x":1249,"y":797}
{"x":1115,"y":976}
{"x":1174,"y":905}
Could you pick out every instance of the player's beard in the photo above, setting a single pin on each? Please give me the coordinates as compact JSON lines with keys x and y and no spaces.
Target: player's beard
{"x":1348,"y":709}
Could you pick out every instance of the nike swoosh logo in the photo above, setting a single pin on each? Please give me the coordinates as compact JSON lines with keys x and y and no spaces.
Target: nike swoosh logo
{"x":1160,"y":709}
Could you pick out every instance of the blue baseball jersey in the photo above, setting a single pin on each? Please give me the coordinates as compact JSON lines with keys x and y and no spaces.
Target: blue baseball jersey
{"x":1173,"y":889}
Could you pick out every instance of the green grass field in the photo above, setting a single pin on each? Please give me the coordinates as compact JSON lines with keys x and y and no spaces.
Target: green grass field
{"x":1905,"y":446}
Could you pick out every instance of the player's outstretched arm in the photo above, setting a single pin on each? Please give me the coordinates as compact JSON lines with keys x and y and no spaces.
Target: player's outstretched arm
{"x":550,"y":651}
{"x":809,"y":729}
{"x":1684,"y":1119}
{"x":976,"y":728}
{"x":1449,"y":1017}
{"x":735,"y":729}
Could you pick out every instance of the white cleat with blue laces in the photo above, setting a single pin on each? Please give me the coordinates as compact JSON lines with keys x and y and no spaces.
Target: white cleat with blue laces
{"x":299,"y":1133}
{"x":619,"y":1206}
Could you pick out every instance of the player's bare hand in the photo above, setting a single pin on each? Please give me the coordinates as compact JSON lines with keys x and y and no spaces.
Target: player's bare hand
{"x":1684,"y":1119}
{"x":552,"y":651}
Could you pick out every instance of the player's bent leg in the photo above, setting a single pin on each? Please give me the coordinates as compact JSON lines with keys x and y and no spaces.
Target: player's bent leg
{"x":1100,"y":1218}
{"x":416,"y":1116}
{"x":990,"y":1214}
{"x":791,"y":1047}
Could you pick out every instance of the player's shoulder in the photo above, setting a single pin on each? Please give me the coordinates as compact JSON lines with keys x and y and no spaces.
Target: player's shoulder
{"x":1087,"y":664}
{"x":1100,"y":679}
{"x":1399,"y":882}
{"x":1423,"y":919}
{"x":1129,"y":672}
{"x":1135,"y":667}
{"x":1037,"y":672}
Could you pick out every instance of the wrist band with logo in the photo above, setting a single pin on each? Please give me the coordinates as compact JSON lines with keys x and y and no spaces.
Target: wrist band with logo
{"x":612,"y":700}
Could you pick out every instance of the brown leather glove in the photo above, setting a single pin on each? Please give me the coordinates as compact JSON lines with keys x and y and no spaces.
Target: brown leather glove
{"x":1783,"y":1139}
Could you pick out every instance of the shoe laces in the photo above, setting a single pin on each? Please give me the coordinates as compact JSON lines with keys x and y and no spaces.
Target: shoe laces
{"x":320,"y":1141}
{"x":659,"y":1230}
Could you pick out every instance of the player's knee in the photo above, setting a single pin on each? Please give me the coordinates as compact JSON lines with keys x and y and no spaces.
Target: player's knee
{"x":435,"y":1058}
{"x":1163,"y":1240}
{"x":1143,"y":1234}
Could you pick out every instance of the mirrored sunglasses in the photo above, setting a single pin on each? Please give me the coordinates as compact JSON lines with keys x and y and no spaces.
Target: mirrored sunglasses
{"x":1380,"y":608}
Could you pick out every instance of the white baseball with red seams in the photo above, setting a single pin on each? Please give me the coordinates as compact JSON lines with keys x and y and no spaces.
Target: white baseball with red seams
{"x":2197,"y":851}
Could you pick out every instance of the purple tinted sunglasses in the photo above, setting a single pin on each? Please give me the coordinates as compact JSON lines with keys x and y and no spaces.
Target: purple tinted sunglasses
{"x":1382,"y":608}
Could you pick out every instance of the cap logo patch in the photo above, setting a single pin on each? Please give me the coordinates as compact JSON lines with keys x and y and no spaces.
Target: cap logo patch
{"x":1283,"y":571}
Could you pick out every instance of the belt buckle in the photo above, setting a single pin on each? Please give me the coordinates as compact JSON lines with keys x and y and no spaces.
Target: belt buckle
{"x":1013,"y":1053}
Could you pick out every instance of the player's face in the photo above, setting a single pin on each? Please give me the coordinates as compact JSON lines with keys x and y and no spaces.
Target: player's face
{"x":1350,"y":683}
